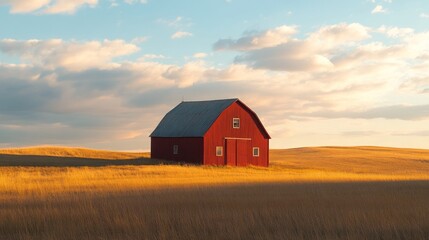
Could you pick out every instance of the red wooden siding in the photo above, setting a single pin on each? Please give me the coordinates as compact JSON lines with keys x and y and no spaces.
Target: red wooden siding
{"x":249,"y":135}
{"x":190,"y":149}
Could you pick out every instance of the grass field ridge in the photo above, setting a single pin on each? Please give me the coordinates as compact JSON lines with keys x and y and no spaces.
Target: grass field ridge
{"x":63,"y":151}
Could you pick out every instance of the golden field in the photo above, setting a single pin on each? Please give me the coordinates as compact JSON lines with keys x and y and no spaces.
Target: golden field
{"x":306,"y":193}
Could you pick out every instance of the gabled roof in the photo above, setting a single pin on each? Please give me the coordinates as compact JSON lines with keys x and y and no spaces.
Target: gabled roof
{"x":193,"y":119}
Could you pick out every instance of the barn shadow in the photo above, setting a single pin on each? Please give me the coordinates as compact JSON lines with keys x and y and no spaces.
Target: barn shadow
{"x":9,"y":160}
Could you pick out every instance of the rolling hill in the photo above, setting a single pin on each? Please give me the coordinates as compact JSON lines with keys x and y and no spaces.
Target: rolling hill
{"x":72,"y":152}
{"x":365,"y":159}
{"x":46,"y":156}
{"x":359,"y":160}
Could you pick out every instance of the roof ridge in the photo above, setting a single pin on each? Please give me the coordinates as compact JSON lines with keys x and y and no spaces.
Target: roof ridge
{"x":213,"y":100}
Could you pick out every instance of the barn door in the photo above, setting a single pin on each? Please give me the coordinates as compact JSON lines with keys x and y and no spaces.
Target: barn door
{"x":243,"y":152}
{"x":238,"y":152}
{"x":231,"y":152}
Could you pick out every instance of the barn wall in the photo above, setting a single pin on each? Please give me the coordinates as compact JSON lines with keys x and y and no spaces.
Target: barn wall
{"x":223,"y":128}
{"x":190,"y":149}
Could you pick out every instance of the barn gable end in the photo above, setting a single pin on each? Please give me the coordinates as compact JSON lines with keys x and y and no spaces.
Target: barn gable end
{"x":250,"y":134}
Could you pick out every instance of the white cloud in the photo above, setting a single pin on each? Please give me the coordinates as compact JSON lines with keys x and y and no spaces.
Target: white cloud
{"x":181,"y":34}
{"x":139,"y":40}
{"x":424,"y":15}
{"x":179,"y":22}
{"x":387,"y":1}
{"x":47,"y":6}
{"x":173,"y":23}
{"x":72,"y":55}
{"x":187,"y":75}
{"x":257,"y":40}
{"x":286,"y":58}
{"x":403,"y":112}
{"x":67,"y":6}
{"x":24,"y":6}
{"x":281,"y":52}
{"x":200,"y":55}
{"x":56,"y":6}
{"x":395,"y":32}
{"x":378,"y":9}
{"x":417,"y":83}
{"x":332,"y":36}
{"x":135,"y":1}
{"x":152,"y":56}
{"x":113,"y":3}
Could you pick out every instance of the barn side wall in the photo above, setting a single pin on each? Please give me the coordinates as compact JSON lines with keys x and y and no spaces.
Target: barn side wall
{"x":190,"y":150}
{"x":248,"y":129}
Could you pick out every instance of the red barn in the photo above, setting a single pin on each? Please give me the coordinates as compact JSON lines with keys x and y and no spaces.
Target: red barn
{"x":217,"y":132}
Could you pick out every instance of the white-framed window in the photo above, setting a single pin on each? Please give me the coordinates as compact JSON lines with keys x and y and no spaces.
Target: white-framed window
{"x":219,"y":151}
{"x":255,"y":152}
{"x":236,"y":123}
{"x":175,"y":149}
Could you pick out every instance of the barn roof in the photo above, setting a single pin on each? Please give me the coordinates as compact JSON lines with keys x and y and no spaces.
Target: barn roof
{"x":191,"y":119}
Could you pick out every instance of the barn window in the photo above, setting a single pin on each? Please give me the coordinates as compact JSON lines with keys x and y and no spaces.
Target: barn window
{"x":219,"y":151}
{"x":175,"y":149}
{"x":236,"y":123}
{"x":256,"y":152}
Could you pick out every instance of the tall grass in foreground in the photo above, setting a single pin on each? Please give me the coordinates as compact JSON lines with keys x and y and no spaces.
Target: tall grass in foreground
{"x":353,"y":210}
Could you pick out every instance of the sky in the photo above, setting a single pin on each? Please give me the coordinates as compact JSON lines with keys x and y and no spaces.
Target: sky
{"x":102,"y":74}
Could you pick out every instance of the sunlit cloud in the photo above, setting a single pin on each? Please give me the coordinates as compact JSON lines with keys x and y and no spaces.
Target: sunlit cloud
{"x":257,"y":40}
{"x":395,"y":32}
{"x":72,"y":55}
{"x":47,"y":6}
{"x":56,"y":6}
{"x":200,"y":55}
{"x":378,"y":9}
{"x":402,"y":112}
{"x":292,"y":54}
{"x":152,"y":56}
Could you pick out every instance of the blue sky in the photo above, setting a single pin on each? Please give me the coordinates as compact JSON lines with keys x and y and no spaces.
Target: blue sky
{"x":102,"y":74}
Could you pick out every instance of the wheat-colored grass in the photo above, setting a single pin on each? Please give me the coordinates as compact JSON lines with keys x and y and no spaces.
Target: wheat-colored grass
{"x":374,"y":160}
{"x":72,"y":152}
{"x":293,"y":165}
{"x":306,"y":193}
{"x":326,"y":210}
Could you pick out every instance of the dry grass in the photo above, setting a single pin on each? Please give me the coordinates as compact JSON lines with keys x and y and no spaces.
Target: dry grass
{"x":353,"y":210}
{"x":72,"y":152}
{"x":307,"y":193}
{"x":373,"y":160}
